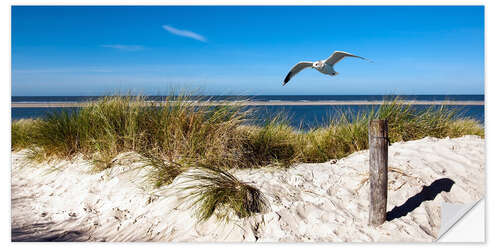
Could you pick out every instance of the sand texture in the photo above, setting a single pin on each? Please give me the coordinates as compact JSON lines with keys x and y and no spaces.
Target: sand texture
{"x":324,"y":202}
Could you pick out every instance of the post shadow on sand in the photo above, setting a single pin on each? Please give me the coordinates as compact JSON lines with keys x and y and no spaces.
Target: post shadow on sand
{"x":428,"y":193}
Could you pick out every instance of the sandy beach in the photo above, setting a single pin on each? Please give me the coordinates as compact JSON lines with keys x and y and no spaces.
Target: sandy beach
{"x":169,"y":123}
{"x":252,"y":103}
{"x":323,"y":202}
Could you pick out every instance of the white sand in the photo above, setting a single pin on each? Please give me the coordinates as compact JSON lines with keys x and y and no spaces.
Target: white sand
{"x":326,"y":202}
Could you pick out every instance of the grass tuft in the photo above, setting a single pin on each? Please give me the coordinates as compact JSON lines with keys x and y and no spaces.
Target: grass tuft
{"x":162,"y":172}
{"x":273,"y":143}
{"x":214,"y":191}
{"x":21,"y":134}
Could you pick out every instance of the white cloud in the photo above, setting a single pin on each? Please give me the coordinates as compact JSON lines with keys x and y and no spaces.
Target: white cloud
{"x":62,"y":70}
{"x":123,"y":47}
{"x":185,"y":33}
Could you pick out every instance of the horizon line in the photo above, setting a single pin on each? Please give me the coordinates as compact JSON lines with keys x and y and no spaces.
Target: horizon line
{"x":240,"y":95}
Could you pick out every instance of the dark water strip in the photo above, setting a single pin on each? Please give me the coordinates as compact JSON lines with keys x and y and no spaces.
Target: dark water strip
{"x":299,"y":116}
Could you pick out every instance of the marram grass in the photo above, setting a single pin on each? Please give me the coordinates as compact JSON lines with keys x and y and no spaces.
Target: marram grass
{"x":162,"y":172}
{"x":218,"y":136}
{"x":213,"y":191}
{"x":178,"y":135}
{"x":21,"y":134}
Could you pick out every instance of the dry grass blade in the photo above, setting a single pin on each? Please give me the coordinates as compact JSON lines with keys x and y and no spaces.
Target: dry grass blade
{"x":163,"y":172}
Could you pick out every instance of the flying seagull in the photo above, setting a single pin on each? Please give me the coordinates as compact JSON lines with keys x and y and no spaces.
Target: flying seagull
{"x":323,"y":66}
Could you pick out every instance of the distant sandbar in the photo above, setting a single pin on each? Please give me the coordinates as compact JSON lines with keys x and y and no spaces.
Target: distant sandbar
{"x":252,"y":103}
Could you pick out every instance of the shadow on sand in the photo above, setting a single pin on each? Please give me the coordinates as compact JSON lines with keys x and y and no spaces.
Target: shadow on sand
{"x":41,"y":232}
{"x":428,"y":193}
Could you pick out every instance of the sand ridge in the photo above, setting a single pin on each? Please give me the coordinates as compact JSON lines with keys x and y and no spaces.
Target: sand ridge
{"x":321,"y":202}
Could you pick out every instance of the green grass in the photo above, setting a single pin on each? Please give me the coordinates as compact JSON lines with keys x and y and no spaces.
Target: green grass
{"x":217,"y":136}
{"x":178,"y":135}
{"x":275,"y":142}
{"x":162,"y":172}
{"x":21,"y":134}
{"x":348,"y":132}
{"x":216,"y":191}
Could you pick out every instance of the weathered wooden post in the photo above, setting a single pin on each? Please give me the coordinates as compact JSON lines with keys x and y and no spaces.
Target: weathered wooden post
{"x":378,"y":143}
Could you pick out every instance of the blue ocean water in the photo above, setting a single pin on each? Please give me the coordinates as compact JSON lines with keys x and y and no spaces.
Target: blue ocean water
{"x":305,"y":117}
{"x":269,"y":98}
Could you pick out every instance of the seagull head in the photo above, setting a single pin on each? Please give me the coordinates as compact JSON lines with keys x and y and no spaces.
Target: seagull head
{"x":316,"y":65}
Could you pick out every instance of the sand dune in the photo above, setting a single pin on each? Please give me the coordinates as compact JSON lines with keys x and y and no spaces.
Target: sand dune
{"x":325,"y":202}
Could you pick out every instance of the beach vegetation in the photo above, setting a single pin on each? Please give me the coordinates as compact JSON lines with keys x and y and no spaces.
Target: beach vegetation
{"x":180,"y":129}
{"x":20,"y":134}
{"x":180,"y":134}
{"x":214,"y":191}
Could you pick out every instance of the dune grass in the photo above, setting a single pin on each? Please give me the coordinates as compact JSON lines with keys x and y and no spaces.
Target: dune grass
{"x":216,"y":191}
{"x":219,"y":135}
{"x":178,"y":135}
{"x":21,"y":134}
{"x":162,"y":172}
{"x":275,"y":142}
{"x":348,"y":132}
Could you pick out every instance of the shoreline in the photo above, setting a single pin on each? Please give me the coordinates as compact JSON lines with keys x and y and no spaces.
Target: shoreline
{"x":255,"y":103}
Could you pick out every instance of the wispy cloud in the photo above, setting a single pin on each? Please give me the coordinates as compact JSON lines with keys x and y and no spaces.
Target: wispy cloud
{"x":123,"y":47}
{"x":62,"y":70}
{"x":185,"y":33}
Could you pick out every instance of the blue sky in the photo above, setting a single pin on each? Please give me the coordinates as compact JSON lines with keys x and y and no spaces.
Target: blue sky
{"x":246,"y":50}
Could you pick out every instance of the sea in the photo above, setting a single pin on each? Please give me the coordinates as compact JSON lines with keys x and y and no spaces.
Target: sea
{"x":299,"y":116}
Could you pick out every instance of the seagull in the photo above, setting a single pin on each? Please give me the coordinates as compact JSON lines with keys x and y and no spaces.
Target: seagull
{"x":323,"y":66}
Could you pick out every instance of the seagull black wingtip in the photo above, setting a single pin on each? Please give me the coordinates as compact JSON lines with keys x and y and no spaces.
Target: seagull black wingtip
{"x":287,"y":78}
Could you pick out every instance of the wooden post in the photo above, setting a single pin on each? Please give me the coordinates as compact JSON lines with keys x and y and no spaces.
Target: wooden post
{"x":378,"y":143}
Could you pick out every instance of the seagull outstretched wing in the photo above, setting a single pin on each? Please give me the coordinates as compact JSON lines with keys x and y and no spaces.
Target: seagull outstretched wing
{"x":339,"y":55}
{"x":296,"y":69}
